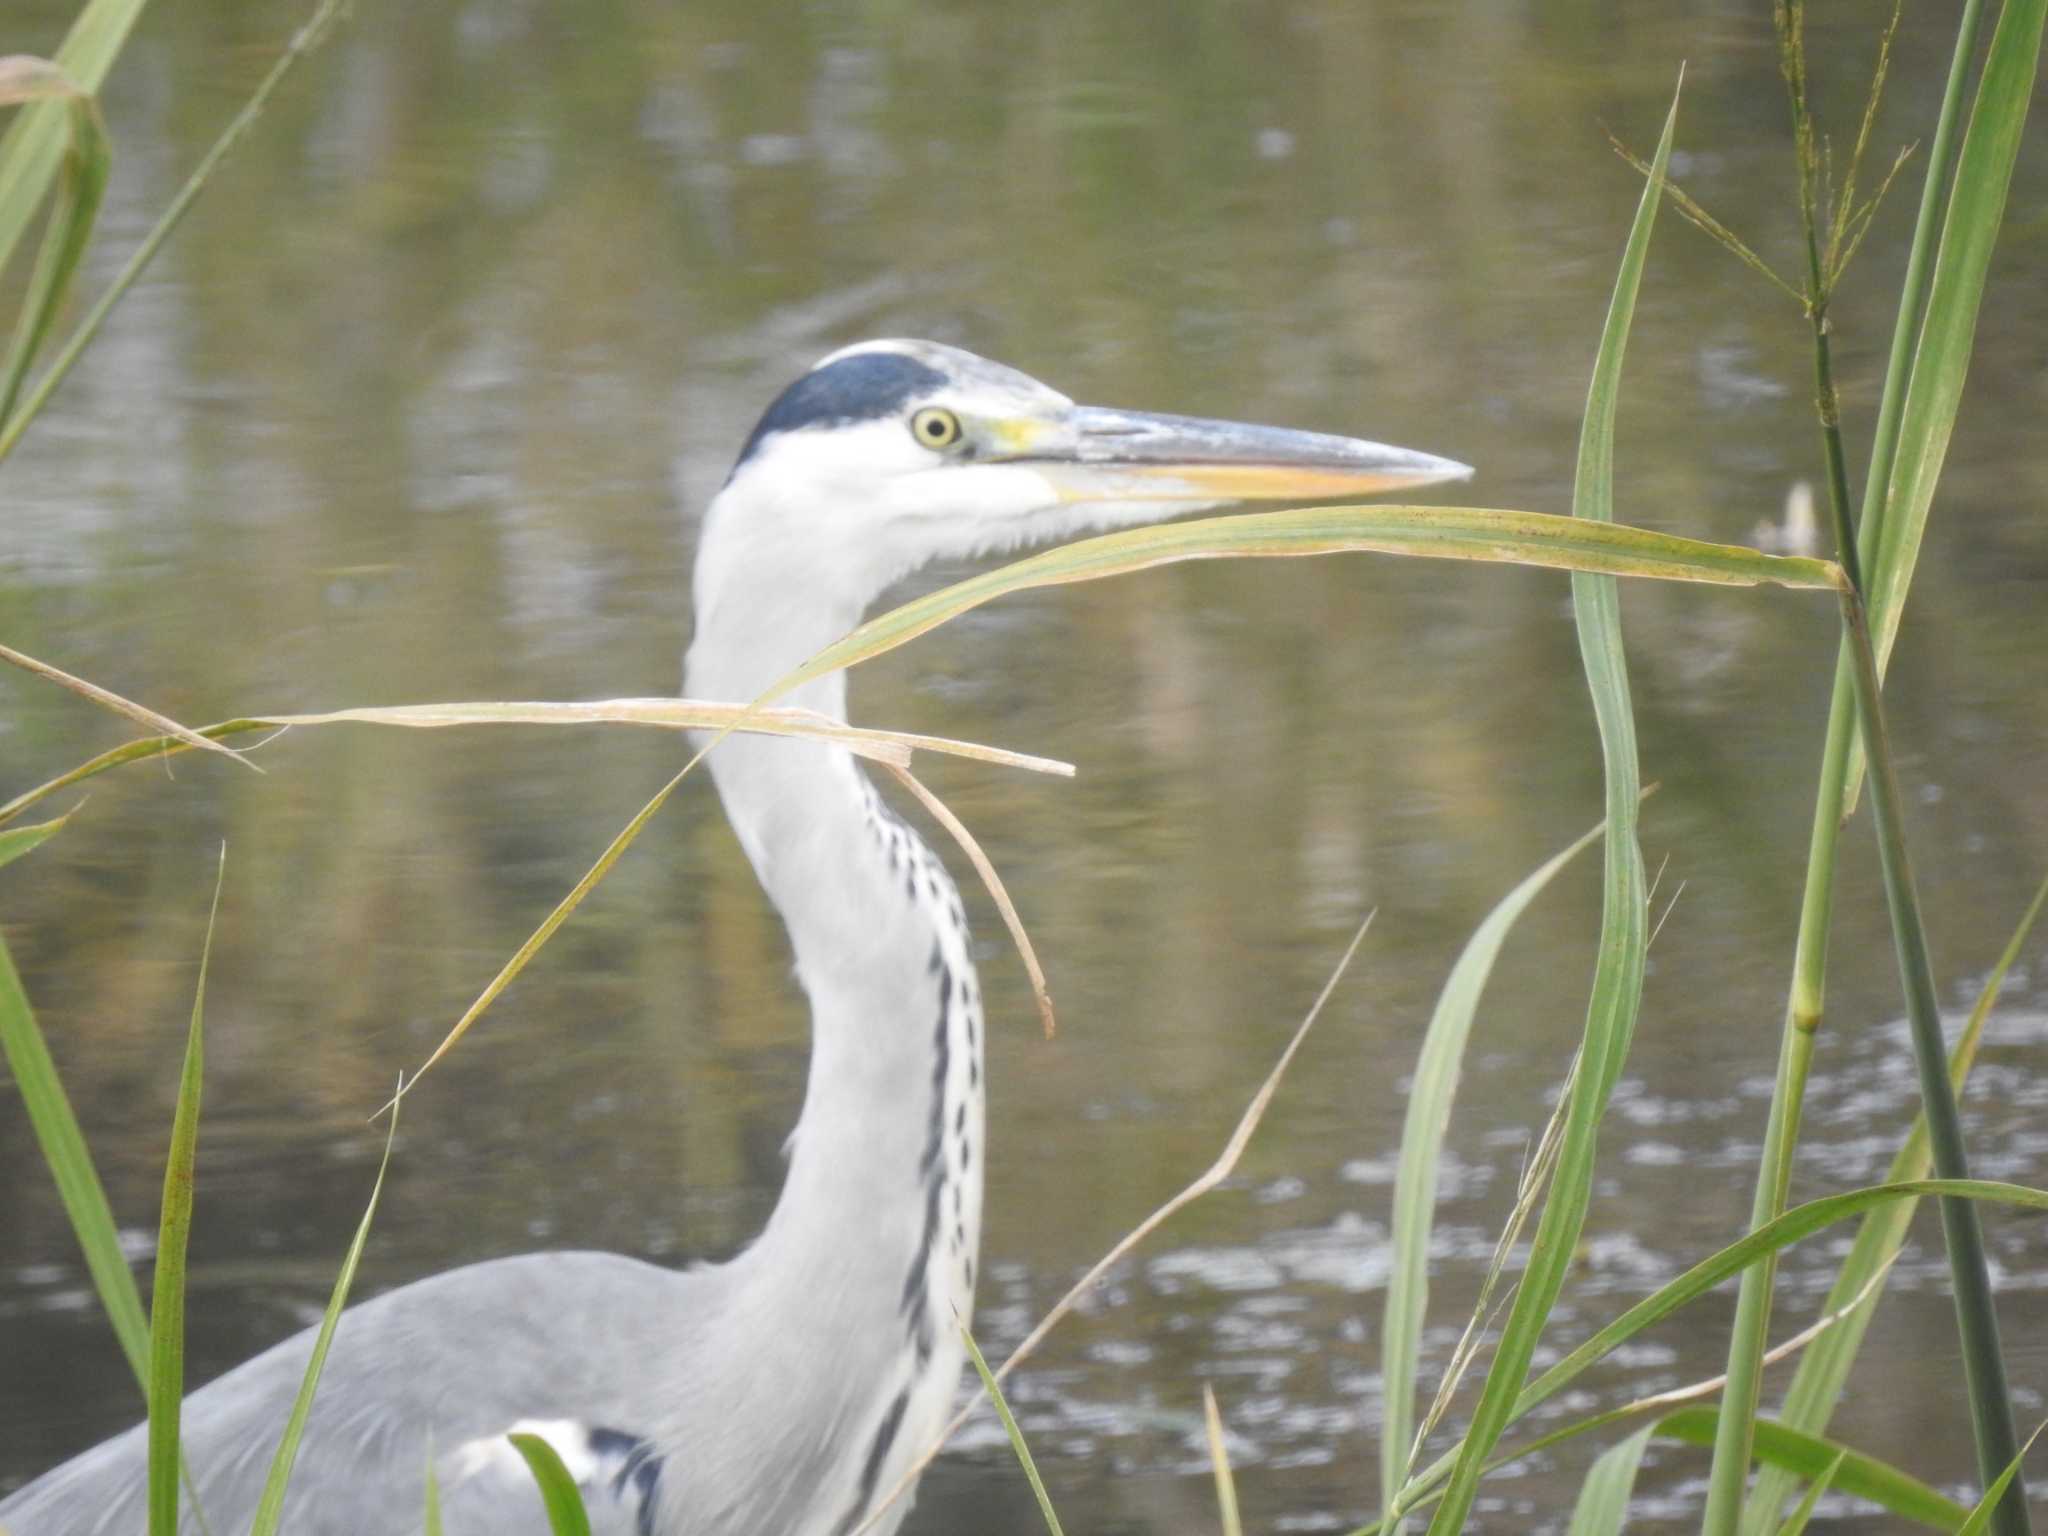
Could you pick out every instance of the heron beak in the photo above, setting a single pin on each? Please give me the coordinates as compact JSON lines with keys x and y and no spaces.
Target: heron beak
{"x":1092,"y":454}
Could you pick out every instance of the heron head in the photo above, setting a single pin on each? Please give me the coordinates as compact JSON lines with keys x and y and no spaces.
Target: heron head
{"x":891,"y":454}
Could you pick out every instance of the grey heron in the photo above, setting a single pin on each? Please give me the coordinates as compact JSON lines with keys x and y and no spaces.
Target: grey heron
{"x":783,"y":1391}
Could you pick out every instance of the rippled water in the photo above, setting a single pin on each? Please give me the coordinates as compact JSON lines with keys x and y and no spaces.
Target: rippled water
{"x":424,"y":403}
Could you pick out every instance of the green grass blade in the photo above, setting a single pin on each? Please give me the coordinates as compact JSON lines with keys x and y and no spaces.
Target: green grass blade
{"x":1824,"y":1366}
{"x":1023,"y":1451}
{"x":1456,"y":533}
{"x":1800,"y":1222}
{"x":1815,"y":1492}
{"x":70,"y":1164}
{"x":1810,"y":1457}
{"x":1913,"y":291}
{"x":84,"y":165}
{"x":1941,"y":361}
{"x":127,"y":752}
{"x":167,"y":1296}
{"x":430,"y":1511}
{"x":1991,"y":1418}
{"x":16,"y":841}
{"x":1603,"y":1497}
{"x":33,"y":147}
{"x":304,"y":41}
{"x":1428,"y":1118}
{"x":1801,"y":1456}
{"x":270,"y":1508}
{"x":558,"y":1492}
{"x":1834,"y":798}
{"x":1624,"y":927}
{"x":1980,"y":1517}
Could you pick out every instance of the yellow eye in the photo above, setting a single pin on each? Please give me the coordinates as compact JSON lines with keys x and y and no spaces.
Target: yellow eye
{"x":935,"y":427}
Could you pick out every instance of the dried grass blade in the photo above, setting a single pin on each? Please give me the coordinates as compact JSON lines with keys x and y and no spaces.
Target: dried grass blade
{"x":943,"y":815}
{"x":889,"y":747}
{"x":163,"y":725}
{"x":1219,"y":1459}
{"x":555,"y":919}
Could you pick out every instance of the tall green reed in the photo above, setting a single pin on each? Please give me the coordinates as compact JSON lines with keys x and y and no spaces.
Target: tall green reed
{"x":1935,"y":323}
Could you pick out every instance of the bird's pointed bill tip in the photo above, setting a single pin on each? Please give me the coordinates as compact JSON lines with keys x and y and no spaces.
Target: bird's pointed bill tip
{"x":1129,"y":454}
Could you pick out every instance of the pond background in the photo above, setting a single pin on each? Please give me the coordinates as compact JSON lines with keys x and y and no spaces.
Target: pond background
{"x":424,"y":403}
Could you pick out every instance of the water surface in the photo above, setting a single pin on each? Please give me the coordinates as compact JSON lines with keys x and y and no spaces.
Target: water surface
{"x":425,"y":400}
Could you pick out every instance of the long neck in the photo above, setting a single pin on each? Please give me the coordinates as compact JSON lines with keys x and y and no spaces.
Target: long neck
{"x":872,"y":1247}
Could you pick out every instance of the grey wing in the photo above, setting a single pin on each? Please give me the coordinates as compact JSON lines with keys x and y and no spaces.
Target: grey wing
{"x":559,"y":1344}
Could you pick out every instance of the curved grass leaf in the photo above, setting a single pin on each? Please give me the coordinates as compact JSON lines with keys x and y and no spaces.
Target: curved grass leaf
{"x":167,"y":1295}
{"x":1624,"y":924}
{"x":32,"y":149}
{"x":1430,"y":1093}
{"x":83,"y":167}
{"x":303,"y":42}
{"x":558,"y":1491}
{"x":270,"y":1507}
{"x":1453,"y":533}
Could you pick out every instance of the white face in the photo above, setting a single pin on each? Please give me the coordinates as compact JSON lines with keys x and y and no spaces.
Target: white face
{"x":949,"y":456}
{"x":869,"y":476}
{"x":933,"y":475}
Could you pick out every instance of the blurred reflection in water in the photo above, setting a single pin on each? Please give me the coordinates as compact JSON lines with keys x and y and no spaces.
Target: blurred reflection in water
{"x":407,"y":410}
